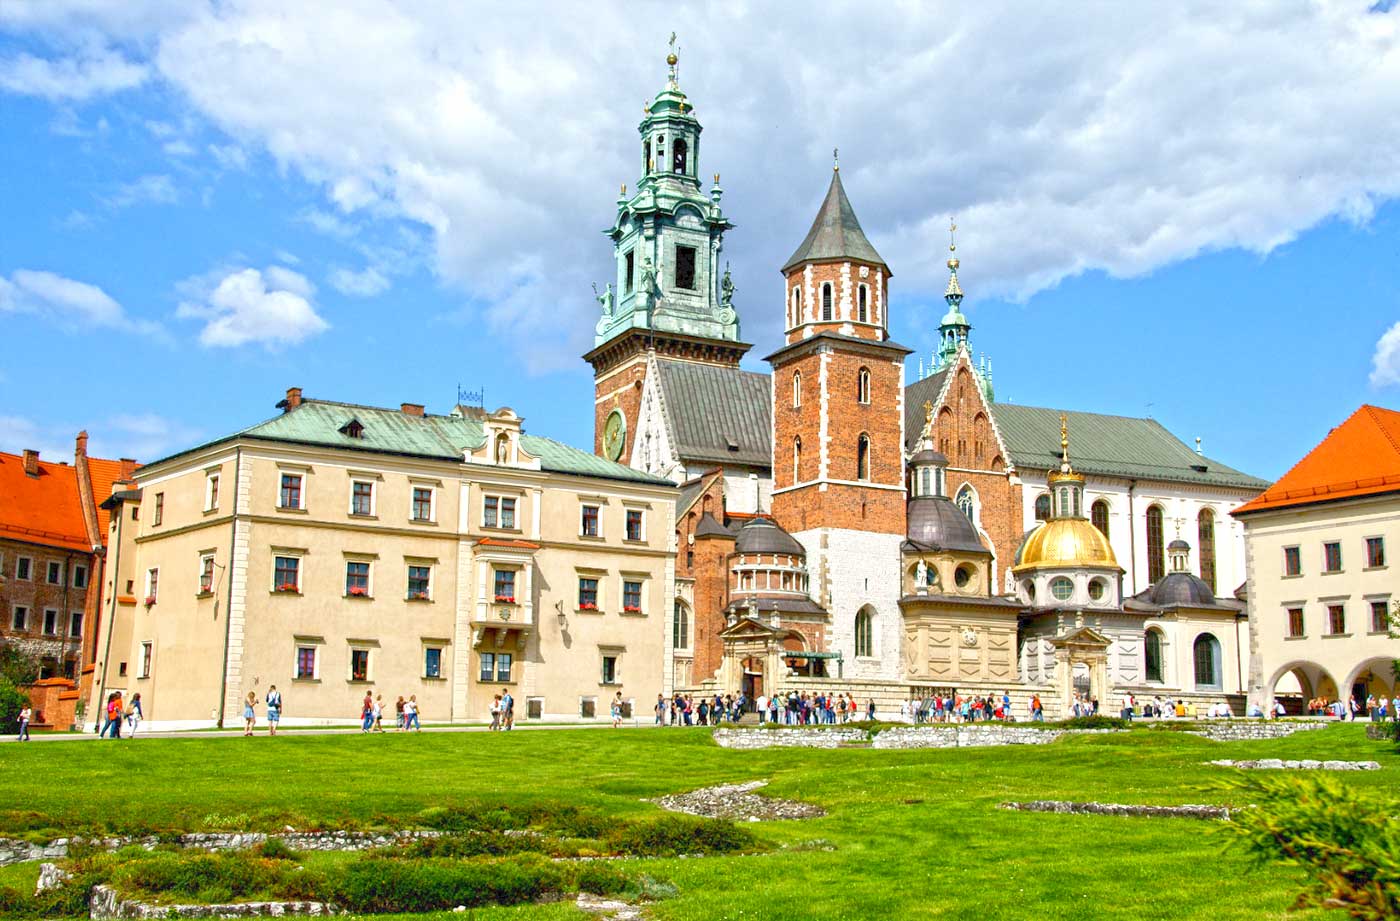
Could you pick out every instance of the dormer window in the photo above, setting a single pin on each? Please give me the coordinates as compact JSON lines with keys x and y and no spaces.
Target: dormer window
{"x":353,"y":429}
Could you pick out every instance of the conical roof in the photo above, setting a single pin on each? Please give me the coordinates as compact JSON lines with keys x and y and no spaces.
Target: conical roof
{"x":835,"y":234}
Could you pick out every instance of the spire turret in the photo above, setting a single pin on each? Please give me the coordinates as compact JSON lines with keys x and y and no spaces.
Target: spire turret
{"x":953,"y":329}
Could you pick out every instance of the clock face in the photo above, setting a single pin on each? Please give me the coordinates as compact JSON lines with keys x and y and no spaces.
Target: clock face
{"x":614,"y":433}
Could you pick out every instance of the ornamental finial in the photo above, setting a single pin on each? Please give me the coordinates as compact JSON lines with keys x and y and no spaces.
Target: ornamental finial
{"x":1064,"y":444}
{"x":672,"y":59}
{"x":953,"y":259}
{"x":835,"y":159}
{"x":952,"y":235}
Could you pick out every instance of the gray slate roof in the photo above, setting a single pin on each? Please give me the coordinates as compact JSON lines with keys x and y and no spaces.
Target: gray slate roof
{"x":718,"y":415}
{"x":835,"y":234}
{"x":1116,"y":446}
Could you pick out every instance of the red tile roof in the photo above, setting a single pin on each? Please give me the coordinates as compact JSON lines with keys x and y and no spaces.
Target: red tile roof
{"x":104,"y":473}
{"x":1360,"y":457}
{"x":44,"y":509}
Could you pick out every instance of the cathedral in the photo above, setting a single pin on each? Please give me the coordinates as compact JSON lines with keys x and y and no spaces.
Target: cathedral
{"x":841,"y":527}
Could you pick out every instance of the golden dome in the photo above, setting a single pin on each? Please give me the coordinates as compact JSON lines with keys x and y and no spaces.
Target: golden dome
{"x":1065,"y":543}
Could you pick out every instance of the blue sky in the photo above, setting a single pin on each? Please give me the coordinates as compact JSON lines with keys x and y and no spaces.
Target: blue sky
{"x":1166,"y":212}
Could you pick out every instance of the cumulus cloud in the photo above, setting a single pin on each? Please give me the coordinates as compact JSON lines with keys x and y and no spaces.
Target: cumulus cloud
{"x":272,"y":307}
{"x":1385,"y":364}
{"x":365,"y":283}
{"x":71,"y":78}
{"x":75,"y":304}
{"x":145,"y":436}
{"x":154,"y":189}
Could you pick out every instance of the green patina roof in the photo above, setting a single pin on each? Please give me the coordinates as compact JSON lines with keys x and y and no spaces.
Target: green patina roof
{"x":1117,"y":446}
{"x":835,"y":234}
{"x":389,"y":431}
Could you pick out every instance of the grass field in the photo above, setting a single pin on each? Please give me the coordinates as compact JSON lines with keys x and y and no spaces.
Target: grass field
{"x":909,"y":834}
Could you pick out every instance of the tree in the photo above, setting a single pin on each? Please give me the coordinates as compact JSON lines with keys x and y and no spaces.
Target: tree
{"x":17,"y":667}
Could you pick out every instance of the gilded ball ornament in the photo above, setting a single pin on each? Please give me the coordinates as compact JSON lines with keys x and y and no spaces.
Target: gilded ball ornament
{"x":953,"y":263}
{"x":672,"y":59}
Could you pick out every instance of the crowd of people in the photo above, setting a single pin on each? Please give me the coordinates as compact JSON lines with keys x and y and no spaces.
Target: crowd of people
{"x":940,"y":707}
{"x":118,"y":712}
{"x":1377,"y":707}
{"x":372,"y":713}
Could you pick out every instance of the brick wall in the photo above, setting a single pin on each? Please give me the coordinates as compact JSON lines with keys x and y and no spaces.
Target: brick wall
{"x":845,"y":279}
{"x":36,"y":595}
{"x":711,"y":596}
{"x":620,"y":389}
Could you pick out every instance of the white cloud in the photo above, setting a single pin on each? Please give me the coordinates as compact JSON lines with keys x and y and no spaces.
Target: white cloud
{"x":71,"y":78}
{"x":154,"y":189}
{"x":1385,"y":364}
{"x":74,"y":304}
{"x":18,"y":434}
{"x":143,"y":435}
{"x":365,"y":283}
{"x":229,"y":156}
{"x":251,"y":306}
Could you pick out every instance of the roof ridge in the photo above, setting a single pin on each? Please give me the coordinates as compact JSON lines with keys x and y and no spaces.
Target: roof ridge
{"x":1371,"y":410}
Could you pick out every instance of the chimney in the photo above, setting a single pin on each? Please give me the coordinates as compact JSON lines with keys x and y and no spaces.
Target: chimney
{"x":81,"y":449}
{"x":128,"y":468}
{"x":292,"y":401}
{"x":411,"y":409}
{"x":31,"y":462}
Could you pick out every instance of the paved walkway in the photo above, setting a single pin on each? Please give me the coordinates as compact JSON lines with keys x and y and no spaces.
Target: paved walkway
{"x":303,"y":731}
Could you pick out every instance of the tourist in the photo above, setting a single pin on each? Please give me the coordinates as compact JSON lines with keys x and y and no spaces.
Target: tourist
{"x":1037,"y":711}
{"x":617,"y":710}
{"x":1128,"y":704}
{"x":113,"y":726}
{"x":410,"y":714}
{"x":496,"y":713}
{"x":398,"y":714}
{"x":366,"y":712}
{"x":1279,"y":712}
{"x":660,"y":710}
{"x":133,"y":713}
{"x":24,"y":716}
{"x":274,"y":709}
{"x":507,"y":711}
{"x":250,"y":715}
{"x":870,"y":709}
{"x":1352,"y":708}
{"x":378,"y":713}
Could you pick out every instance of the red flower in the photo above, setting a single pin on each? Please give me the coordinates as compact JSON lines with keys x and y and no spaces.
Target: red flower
{"x":358,"y":591}
{"x":287,"y":587}
{"x":632,"y":609}
{"x":150,"y":600}
{"x":505,"y":599}
{"x":420,"y":596}
{"x":588,"y":606}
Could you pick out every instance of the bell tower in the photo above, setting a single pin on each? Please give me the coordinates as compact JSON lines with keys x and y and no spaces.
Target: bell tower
{"x":669,"y":298}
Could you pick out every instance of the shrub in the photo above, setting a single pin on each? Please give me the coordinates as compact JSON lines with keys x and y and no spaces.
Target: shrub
{"x":1094,"y":722}
{"x":276,"y":849}
{"x":470,"y":844}
{"x":1350,"y":842}
{"x":376,"y":885}
{"x":669,"y":836}
{"x":12,"y":700}
{"x":600,"y":879}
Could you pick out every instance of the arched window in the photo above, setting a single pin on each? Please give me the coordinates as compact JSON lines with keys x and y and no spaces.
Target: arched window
{"x":1156,"y":562}
{"x":680,"y":627}
{"x":863,"y":458}
{"x":1205,"y":540}
{"x":797,"y":460}
{"x":863,"y":386}
{"x":1152,"y":653}
{"x":967,"y":501}
{"x":1206,"y":654}
{"x":826,"y":302}
{"x":796,"y":306}
{"x":862,"y":294}
{"x":678,"y":152}
{"x":1064,"y":502}
{"x":925,"y":481}
{"x":1098,"y":514}
{"x":796,"y":389}
{"x":865,"y":633}
{"x":1042,"y":507}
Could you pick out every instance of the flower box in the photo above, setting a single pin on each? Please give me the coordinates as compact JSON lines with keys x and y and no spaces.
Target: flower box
{"x":287,"y":587}
{"x":588,"y":606}
{"x":150,"y":600}
{"x":631,"y":609}
{"x":418,"y":596}
{"x":357,"y":591}
{"x":505,"y":599}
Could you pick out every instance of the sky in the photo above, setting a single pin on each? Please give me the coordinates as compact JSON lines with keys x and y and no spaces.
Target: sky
{"x":1186,"y":210}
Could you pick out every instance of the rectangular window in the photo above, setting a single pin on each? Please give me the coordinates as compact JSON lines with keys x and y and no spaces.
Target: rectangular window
{"x":20,"y":620}
{"x":206,"y":574}
{"x":1375,"y":551}
{"x":1292,"y":561}
{"x":610,"y":669}
{"x":286,"y":574}
{"x":22,"y":568}
{"x":1380,"y":617}
{"x":158,"y":512}
{"x":685,"y":267}
{"x":50,"y":622}
{"x":588,"y":522}
{"x":306,"y":662}
{"x":503,"y":660}
{"x":634,"y":524}
{"x":587,"y":707}
{"x":75,"y":623}
{"x":498,"y":512}
{"x":629,"y":272}
{"x":423,"y":504}
{"x":361,"y":497}
{"x":211,"y":492}
{"x":1332,"y":556}
{"x":55,"y":573}
{"x":587,"y":594}
{"x":290,"y":495}
{"x":488,"y":666}
{"x":79,"y":576}
{"x":1295,"y":622}
{"x":505,"y":586}
{"x":145,"y":661}
{"x":418,"y":579}
{"x":152,"y":585}
{"x":432,"y":662}
{"x":359,"y":665}
{"x":1336,"y":619}
{"x":357,"y":579}
{"x":631,"y":597}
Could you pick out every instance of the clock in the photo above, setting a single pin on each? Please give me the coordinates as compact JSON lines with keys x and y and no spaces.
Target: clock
{"x":614,"y":434}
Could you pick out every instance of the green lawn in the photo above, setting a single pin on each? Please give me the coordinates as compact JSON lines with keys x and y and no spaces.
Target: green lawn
{"x":912,"y":834}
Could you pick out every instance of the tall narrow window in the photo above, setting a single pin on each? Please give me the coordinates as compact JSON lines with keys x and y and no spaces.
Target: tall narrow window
{"x":797,"y":317}
{"x":1205,"y":540}
{"x":211,"y":492}
{"x":680,"y":628}
{"x":628,"y":272}
{"x":206,"y":574}
{"x":158,"y":515}
{"x":1292,"y":561}
{"x":796,"y":389}
{"x":678,"y":157}
{"x":1042,"y":507}
{"x":685,"y":267}
{"x":361,"y":498}
{"x":863,"y":312}
{"x":422,"y":503}
{"x":1375,"y":552}
{"x":1380,"y":617}
{"x":863,"y":458}
{"x":1295,"y":622}
{"x":865,"y":645}
{"x":290,"y":496}
{"x":968,"y":503}
{"x":826,"y":302}
{"x":1098,"y":514}
{"x":505,"y":586}
{"x":863,"y":385}
{"x":1336,"y":619}
{"x":1152,"y":651}
{"x":1332,"y":556}
{"x":796,"y":460}
{"x":1156,"y":562}
{"x":1206,"y":655}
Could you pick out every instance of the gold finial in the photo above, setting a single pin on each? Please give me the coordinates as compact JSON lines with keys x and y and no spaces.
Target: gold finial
{"x":651,"y":164}
{"x":835,"y":159}
{"x":671,"y":58}
{"x":952,"y":235}
{"x":927,"y":433}
{"x":624,"y":189}
{"x":1064,"y":443}
{"x":716,"y":178}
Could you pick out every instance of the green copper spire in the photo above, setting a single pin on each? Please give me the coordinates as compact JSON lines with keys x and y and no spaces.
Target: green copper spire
{"x":953,"y":328}
{"x":668,"y":236}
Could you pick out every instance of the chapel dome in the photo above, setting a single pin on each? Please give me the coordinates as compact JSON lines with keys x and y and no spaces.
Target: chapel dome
{"x":937,"y":524}
{"x":1066,"y":543}
{"x":762,"y":535}
{"x":1181,"y":588}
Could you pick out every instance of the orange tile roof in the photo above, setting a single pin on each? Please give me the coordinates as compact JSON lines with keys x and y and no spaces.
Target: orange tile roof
{"x":44,"y":509}
{"x":104,"y":473}
{"x":1360,"y":457}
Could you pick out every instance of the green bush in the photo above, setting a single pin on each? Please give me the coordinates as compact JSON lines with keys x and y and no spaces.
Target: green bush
{"x":1350,"y":842}
{"x":276,"y":849}
{"x":1093,"y":722}
{"x":12,"y":700}
{"x":470,"y":844}
{"x":600,"y":879}
{"x":376,"y":885}
{"x":669,"y":836}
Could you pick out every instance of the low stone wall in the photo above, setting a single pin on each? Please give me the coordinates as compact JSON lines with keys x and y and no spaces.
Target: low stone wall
{"x":107,"y":903}
{"x":1189,"y":811}
{"x":14,"y":851}
{"x":750,"y":739}
{"x":971,"y":735}
{"x":1245,"y":730}
{"x":1277,"y":764}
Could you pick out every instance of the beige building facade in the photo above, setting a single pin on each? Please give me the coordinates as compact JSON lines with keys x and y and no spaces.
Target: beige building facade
{"x":337,"y":550}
